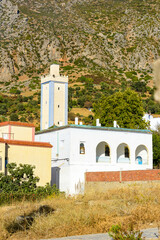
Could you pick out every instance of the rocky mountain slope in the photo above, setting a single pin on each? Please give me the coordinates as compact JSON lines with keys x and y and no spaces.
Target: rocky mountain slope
{"x":102,"y":45}
{"x":113,"y":36}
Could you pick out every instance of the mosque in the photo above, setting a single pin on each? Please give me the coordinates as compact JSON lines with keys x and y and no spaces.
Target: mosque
{"x":78,"y":148}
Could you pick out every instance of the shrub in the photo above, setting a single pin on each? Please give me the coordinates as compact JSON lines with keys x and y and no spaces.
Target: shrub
{"x":119,"y":233}
{"x":14,"y":117}
{"x":23,"y":119}
{"x":20,"y":183}
{"x":20,"y":178}
{"x":67,"y":67}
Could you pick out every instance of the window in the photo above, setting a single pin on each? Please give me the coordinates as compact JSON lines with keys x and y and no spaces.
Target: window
{"x":107,"y":151}
{"x":58,"y":106}
{"x":82,"y":148}
{"x":61,"y":143}
{"x":126,"y":152}
{"x":58,"y":88}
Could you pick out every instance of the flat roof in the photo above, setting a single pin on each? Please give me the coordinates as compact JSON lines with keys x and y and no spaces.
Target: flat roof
{"x":26,"y":143}
{"x":16,"y":124}
{"x":55,"y":128}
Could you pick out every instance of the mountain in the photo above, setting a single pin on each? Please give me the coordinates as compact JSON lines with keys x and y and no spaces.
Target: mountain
{"x":95,"y":34}
{"x":112,"y":41}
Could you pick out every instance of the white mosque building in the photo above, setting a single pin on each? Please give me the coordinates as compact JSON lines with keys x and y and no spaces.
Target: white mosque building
{"x":82,"y":148}
{"x":154,"y":122}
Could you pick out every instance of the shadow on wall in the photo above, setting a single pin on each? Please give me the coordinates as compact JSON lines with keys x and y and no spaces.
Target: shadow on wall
{"x":79,"y":187}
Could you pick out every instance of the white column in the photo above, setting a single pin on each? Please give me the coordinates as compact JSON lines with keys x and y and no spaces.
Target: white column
{"x":132,"y":156}
{"x":113,"y":154}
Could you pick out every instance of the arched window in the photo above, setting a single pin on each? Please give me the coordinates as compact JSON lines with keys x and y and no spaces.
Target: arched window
{"x":82,"y":148}
{"x":107,"y":151}
{"x":126,"y":152}
{"x":123,"y":153}
{"x":103,"y":152}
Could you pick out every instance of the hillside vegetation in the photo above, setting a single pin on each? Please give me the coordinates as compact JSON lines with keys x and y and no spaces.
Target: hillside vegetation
{"x":111,"y":42}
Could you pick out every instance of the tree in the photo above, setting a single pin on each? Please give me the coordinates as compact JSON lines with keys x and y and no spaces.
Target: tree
{"x":88,"y":104}
{"x":20,"y":178}
{"x":124,"y":107}
{"x":14,"y":117}
{"x":156,"y":148}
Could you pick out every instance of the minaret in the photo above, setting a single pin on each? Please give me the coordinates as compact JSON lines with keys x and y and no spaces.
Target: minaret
{"x":54,"y":99}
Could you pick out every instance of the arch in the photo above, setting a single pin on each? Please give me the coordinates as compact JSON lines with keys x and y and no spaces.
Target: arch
{"x":141,"y":155}
{"x":123,"y":153}
{"x":82,"y":148}
{"x":103,"y":152}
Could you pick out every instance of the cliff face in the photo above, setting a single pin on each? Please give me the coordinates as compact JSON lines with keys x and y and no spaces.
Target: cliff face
{"x":96,"y":34}
{"x":25,"y":44}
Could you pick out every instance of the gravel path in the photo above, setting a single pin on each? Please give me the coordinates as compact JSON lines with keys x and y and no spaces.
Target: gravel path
{"x":151,"y":233}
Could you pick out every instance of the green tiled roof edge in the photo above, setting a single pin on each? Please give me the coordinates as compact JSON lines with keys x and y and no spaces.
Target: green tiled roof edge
{"x":96,"y":127}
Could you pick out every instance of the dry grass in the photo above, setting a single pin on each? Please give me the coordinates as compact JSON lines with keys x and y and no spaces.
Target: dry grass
{"x":82,"y":111}
{"x":91,"y":213}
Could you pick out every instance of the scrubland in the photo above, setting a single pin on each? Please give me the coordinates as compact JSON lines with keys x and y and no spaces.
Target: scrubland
{"x":93,"y":212}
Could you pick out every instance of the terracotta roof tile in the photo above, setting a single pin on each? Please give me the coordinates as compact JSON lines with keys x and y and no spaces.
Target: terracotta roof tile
{"x":17,"y":124}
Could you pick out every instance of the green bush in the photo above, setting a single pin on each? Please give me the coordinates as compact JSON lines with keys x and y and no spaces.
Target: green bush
{"x":14,"y":117}
{"x":20,"y":183}
{"x":67,"y":67}
{"x":20,"y":179}
{"x":119,"y":233}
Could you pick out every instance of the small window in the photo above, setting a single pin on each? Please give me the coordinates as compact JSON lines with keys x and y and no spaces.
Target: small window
{"x":107,"y":151}
{"x":58,"y":88}
{"x":61,"y":143}
{"x":126,"y":152}
{"x":58,"y":106}
{"x":82,"y":148}
{"x":46,"y":102}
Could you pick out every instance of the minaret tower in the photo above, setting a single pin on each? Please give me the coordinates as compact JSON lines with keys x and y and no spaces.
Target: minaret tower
{"x":54,"y":99}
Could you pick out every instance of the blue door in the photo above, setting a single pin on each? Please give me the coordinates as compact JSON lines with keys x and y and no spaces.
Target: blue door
{"x":139,"y":159}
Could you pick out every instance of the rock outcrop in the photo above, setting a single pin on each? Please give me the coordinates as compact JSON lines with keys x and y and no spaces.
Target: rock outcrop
{"x":101,"y":34}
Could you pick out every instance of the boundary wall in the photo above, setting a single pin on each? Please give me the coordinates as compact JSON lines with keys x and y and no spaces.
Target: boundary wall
{"x":123,"y":176}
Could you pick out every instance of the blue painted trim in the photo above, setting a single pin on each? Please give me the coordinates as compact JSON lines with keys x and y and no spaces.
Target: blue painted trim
{"x":60,"y":82}
{"x":51,"y":103}
{"x":41,"y":106}
{"x":46,"y":82}
{"x":66,"y":103}
{"x":54,"y":82}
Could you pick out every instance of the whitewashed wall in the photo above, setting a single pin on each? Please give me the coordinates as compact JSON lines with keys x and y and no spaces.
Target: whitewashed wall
{"x":66,"y":144}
